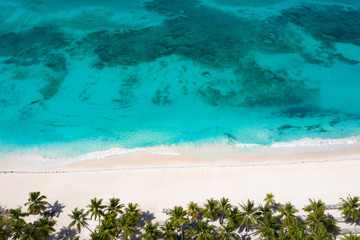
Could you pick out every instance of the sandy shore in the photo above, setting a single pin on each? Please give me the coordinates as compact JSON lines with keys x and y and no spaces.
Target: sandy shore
{"x":158,"y":181}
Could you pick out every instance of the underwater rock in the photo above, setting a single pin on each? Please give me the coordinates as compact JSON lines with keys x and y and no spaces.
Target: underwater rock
{"x":270,"y":38}
{"x":268,"y":75}
{"x":312,"y":127}
{"x":287,"y":126}
{"x":206,"y":74}
{"x":307,"y":111}
{"x":34,"y":102}
{"x":349,"y":61}
{"x":211,"y":95}
{"x":27,"y":47}
{"x":162,"y":97}
{"x":52,"y":86}
{"x":326,"y":23}
{"x":56,"y":62}
{"x":103,"y":53}
{"x":230,"y":137}
{"x":171,"y":7}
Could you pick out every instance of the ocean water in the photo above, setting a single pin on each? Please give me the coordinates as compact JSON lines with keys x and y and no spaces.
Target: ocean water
{"x":83,"y":76}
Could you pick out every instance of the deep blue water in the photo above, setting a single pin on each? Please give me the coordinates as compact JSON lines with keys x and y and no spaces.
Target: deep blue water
{"x":94,"y":75}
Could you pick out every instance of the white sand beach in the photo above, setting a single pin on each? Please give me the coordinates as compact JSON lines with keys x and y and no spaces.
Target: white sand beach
{"x":158,"y":181}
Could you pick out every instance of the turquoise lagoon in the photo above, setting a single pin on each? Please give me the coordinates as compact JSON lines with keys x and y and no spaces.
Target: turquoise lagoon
{"x":83,"y":76}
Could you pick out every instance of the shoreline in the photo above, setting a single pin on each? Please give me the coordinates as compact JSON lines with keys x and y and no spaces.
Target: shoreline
{"x":191,"y":155}
{"x":158,"y":181}
{"x":156,"y":188}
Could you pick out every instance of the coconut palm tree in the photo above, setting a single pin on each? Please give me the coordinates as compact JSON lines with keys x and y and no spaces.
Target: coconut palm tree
{"x":287,"y":212}
{"x":301,"y":236}
{"x":109,"y":226}
{"x":227,"y":232}
{"x":79,"y":218}
{"x":350,"y":236}
{"x":178,"y":218}
{"x":5,"y":232}
{"x":17,"y":228}
{"x":315,"y":221}
{"x":234,"y":217}
{"x":132,"y":211}
{"x":193,"y":211}
{"x":211,"y":208}
{"x":98,"y":235}
{"x":96,"y":209}
{"x":4,"y":224}
{"x":331,"y":226}
{"x":151,"y":231}
{"x":269,"y":199}
{"x":30,"y":232}
{"x":36,"y":203}
{"x":268,"y":227}
{"x":350,"y":208}
{"x":45,"y":226}
{"x":248,"y":214}
{"x":16,"y":214}
{"x":223,"y":208}
{"x":283,"y":235}
{"x":297,"y":228}
{"x":264,"y":210}
{"x":114,"y":206}
{"x":169,"y":231}
{"x":203,"y":231}
{"x":126,"y":224}
{"x":315,"y":205}
{"x":320,"y":234}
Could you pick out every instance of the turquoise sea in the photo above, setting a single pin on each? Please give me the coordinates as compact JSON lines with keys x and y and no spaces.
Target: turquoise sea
{"x":83,"y":76}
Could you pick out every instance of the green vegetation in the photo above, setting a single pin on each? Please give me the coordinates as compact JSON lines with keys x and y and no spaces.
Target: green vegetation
{"x":213,"y":219}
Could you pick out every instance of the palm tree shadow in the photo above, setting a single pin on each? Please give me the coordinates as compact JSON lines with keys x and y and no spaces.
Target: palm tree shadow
{"x":245,"y":237}
{"x":54,"y":209}
{"x":243,"y":234}
{"x":144,"y":217}
{"x":64,"y":234}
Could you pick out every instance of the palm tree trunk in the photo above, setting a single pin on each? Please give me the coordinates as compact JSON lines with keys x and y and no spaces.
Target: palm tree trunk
{"x":89,"y":229}
{"x":182,"y":232}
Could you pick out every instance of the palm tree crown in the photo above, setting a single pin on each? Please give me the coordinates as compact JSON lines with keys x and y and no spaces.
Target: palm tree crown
{"x":114,"y":206}
{"x":211,"y":208}
{"x":169,"y":231}
{"x":268,"y":227}
{"x":178,"y":216}
{"x":350,"y":236}
{"x":16,"y":214}
{"x":314,"y":205}
{"x":193,"y":211}
{"x":287,"y":212}
{"x":248,"y":214}
{"x":96,"y":208}
{"x":36,"y":203}
{"x":350,"y":208}
{"x":227,"y":232}
{"x":224,"y":208}
{"x":269,"y":199}
{"x":132,"y":212}
{"x":203,"y":231}
{"x":79,"y":218}
{"x":151,"y":231}
{"x":45,"y":226}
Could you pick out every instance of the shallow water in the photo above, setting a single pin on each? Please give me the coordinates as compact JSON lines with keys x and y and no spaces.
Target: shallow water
{"x":85,"y":76}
